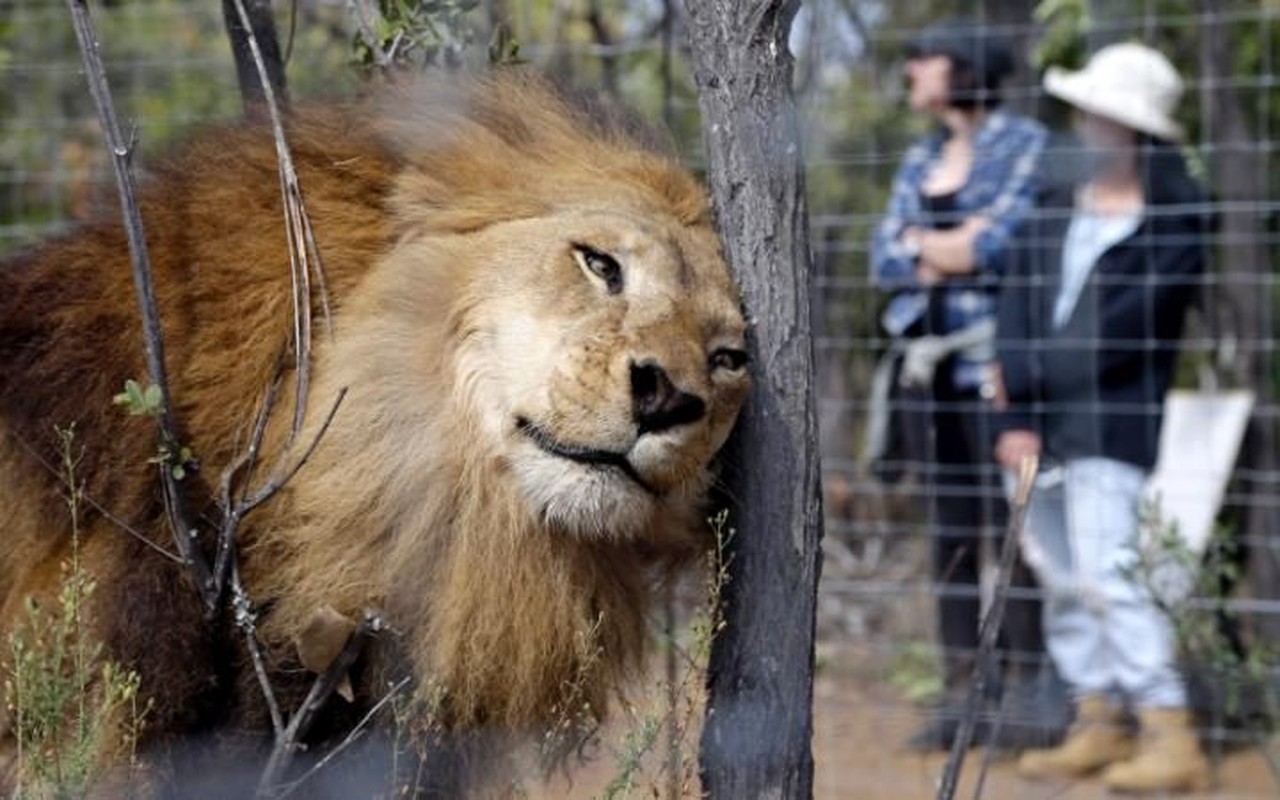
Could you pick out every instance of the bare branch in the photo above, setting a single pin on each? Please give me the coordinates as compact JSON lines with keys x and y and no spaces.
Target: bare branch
{"x":325,"y":685}
{"x":254,"y":450}
{"x":990,"y":627}
{"x":305,"y":263}
{"x":262,"y":26}
{"x":248,"y":461}
{"x":246,"y":619}
{"x":293,"y":32}
{"x":94,"y":504}
{"x":304,"y":255}
{"x":234,"y":512}
{"x":350,"y":739}
{"x":184,"y":533}
{"x":605,"y":39}
{"x":383,"y":59}
{"x":275,"y":484}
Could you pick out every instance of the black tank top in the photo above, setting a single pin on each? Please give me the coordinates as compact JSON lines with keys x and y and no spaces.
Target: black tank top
{"x":941,"y":211}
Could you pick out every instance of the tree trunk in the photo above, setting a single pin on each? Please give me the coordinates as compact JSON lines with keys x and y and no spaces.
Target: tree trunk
{"x":496,"y":13}
{"x":1239,"y":179}
{"x":666,"y":32}
{"x":605,"y":41}
{"x":756,"y":741}
{"x":264,"y":30}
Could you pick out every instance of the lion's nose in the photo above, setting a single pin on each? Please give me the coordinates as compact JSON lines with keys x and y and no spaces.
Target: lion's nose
{"x":658,"y":403}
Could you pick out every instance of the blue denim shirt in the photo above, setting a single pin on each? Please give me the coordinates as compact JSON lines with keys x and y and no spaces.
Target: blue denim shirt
{"x":1001,"y":186}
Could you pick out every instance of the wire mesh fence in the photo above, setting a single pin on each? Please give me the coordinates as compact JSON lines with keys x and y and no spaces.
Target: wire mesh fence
{"x":881,"y":663}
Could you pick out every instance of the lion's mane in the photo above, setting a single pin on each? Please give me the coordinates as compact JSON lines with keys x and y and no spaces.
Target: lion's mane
{"x":398,"y":509}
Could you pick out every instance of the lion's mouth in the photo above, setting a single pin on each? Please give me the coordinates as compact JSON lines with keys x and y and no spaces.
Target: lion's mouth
{"x":582,"y":455}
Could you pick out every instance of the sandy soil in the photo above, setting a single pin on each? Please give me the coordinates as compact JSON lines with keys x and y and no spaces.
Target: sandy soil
{"x":860,"y":726}
{"x":858,"y":749}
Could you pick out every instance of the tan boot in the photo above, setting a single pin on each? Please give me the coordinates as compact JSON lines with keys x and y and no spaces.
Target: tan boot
{"x":1098,"y":737}
{"x":1169,"y":758}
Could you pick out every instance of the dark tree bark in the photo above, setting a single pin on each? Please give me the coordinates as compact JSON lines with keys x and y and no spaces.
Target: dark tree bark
{"x":756,"y":741}
{"x":666,"y":32}
{"x":264,"y":30}
{"x":1239,"y":180}
{"x":496,"y":13}
{"x":605,"y":40}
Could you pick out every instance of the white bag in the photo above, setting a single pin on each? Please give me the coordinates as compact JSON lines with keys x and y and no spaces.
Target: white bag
{"x":1200,"y":437}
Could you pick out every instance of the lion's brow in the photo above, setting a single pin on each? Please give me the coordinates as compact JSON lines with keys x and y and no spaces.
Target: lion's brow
{"x":684,"y":269}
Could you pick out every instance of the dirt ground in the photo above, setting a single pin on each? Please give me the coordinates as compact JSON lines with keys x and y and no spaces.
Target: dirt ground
{"x":859,"y":732}
{"x":860,"y":725}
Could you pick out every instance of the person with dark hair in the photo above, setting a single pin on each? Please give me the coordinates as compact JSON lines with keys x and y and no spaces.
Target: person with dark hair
{"x":1091,"y":311}
{"x":957,"y":199}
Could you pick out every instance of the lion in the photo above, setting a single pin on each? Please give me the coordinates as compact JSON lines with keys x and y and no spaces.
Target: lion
{"x":542,"y":352}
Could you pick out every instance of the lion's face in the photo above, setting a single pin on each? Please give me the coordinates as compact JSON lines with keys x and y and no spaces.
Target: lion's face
{"x":620,"y":363}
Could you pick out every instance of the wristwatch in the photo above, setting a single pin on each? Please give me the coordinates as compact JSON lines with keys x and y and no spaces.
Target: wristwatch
{"x":911,"y":246}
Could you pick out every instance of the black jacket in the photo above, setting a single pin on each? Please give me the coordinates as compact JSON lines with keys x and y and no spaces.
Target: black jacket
{"x":1096,"y":386}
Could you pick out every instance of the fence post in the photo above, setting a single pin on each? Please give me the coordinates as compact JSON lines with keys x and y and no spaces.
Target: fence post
{"x":756,"y":741}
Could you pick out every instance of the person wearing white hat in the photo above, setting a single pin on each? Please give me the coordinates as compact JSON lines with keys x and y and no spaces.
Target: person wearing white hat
{"x":1091,"y":311}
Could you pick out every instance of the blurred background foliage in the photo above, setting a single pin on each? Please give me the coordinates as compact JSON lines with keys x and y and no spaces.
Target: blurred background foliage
{"x":171,"y":68}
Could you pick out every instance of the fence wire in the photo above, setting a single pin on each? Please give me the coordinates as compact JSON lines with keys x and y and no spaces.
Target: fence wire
{"x":171,"y":69}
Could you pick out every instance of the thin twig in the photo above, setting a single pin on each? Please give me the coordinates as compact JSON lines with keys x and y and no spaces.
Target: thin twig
{"x":262,"y":25}
{"x":326,"y":313}
{"x":275,"y":484}
{"x":304,"y":258}
{"x":394,"y":48}
{"x":184,"y":533}
{"x":94,"y":504}
{"x":264,"y":417}
{"x":347,"y":741}
{"x":233,"y":514}
{"x":990,"y":627}
{"x":300,"y":279}
{"x":247,"y":461}
{"x":670,"y":658}
{"x":288,"y":744}
{"x":246,"y":619}
{"x":988,"y":754}
{"x":304,"y":255}
{"x":293,"y":32}
{"x":383,"y":60}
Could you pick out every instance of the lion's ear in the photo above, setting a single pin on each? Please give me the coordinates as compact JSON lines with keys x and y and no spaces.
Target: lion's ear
{"x":322,"y":640}
{"x":475,"y":151}
{"x":426,"y":203}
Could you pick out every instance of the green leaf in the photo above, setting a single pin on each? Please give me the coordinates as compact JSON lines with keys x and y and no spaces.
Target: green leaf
{"x":137,"y":401}
{"x":131,"y":397}
{"x":153,"y":397}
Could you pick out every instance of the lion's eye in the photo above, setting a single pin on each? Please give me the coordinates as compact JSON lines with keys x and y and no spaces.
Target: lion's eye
{"x":729,"y":358}
{"x":602,"y":265}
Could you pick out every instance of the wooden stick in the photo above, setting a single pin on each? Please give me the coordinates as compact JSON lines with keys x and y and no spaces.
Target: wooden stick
{"x":990,"y":627}
{"x":184,"y":532}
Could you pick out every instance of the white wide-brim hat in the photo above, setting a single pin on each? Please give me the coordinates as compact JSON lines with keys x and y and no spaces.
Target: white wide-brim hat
{"x":1127,"y":83}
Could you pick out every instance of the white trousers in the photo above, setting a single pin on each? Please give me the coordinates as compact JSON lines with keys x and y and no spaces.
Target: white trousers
{"x":1103,"y":631}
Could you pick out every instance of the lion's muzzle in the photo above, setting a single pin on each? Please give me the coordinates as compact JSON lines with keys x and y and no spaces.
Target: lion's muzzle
{"x":658,"y":403}
{"x":583,"y":455}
